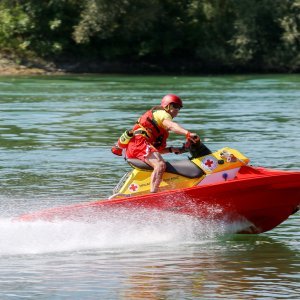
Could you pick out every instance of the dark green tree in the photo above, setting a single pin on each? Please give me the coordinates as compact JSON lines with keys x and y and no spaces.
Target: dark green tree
{"x":197,"y":35}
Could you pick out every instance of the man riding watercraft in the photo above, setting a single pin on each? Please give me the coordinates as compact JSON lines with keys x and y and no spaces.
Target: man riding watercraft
{"x":148,"y":138}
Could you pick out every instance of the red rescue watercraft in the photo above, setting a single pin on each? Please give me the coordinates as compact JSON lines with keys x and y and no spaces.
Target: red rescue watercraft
{"x":218,"y":186}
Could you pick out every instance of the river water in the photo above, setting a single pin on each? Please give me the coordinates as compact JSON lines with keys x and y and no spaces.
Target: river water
{"x":55,"y":139}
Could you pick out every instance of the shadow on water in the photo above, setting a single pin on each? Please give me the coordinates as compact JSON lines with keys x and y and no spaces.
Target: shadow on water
{"x":245,"y":267}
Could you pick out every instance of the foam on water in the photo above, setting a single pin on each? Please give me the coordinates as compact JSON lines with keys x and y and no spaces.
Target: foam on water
{"x":108,"y":231}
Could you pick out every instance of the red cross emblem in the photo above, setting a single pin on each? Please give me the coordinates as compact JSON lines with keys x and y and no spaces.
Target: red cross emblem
{"x":209,"y":163}
{"x":133,"y":187}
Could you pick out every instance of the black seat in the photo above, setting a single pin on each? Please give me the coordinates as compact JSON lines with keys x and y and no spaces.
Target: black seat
{"x":184,"y":167}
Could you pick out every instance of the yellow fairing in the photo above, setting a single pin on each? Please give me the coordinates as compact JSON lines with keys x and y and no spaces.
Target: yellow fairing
{"x":231,"y":159}
{"x":138,"y":182}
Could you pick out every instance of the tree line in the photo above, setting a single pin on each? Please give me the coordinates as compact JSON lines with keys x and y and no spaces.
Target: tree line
{"x":161,"y":35}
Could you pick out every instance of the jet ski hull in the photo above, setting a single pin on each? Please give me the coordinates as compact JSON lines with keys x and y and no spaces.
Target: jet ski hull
{"x":263,"y":197}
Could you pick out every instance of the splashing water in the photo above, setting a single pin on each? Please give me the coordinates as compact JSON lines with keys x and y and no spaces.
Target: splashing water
{"x":139,"y":228}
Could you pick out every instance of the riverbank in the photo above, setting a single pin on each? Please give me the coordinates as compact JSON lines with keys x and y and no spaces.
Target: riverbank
{"x":10,"y":66}
{"x":15,"y":66}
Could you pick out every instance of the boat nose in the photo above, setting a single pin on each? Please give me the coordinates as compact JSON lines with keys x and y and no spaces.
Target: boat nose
{"x":296,"y":209}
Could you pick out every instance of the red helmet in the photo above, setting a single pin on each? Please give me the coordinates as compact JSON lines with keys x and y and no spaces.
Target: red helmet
{"x":170,"y":98}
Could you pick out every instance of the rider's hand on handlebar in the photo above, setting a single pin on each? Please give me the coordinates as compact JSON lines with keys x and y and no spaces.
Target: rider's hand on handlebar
{"x":193,"y":137}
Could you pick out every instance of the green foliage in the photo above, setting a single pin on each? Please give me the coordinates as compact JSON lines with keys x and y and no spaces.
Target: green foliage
{"x":54,"y":21}
{"x":14,"y":23}
{"x":257,"y":35}
{"x":43,"y":27}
